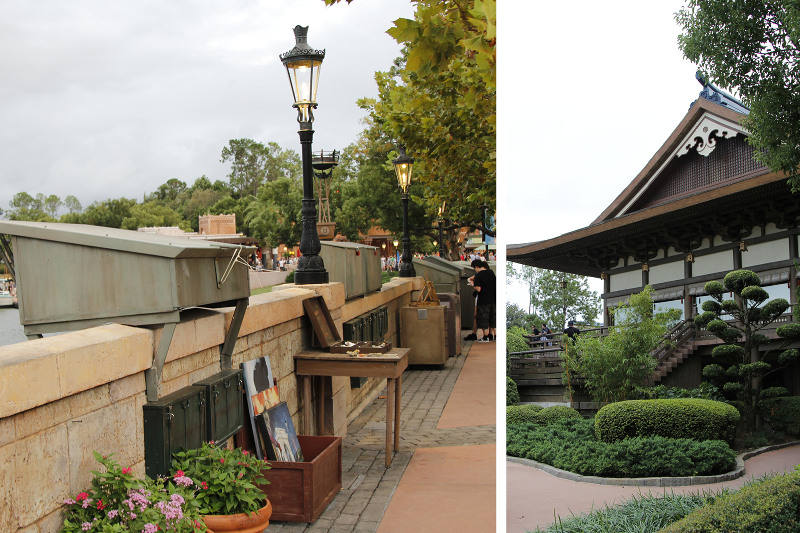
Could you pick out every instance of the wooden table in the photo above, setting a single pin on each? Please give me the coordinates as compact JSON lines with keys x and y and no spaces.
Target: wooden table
{"x":389,"y":365}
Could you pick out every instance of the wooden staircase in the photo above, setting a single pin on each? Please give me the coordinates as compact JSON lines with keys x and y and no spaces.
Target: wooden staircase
{"x":678,"y":346}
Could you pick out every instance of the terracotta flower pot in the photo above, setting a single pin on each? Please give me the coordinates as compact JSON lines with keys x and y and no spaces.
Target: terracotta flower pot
{"x":239,"y":523}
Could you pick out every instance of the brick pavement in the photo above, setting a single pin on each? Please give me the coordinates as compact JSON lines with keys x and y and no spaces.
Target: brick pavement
{"x":367,"y":486}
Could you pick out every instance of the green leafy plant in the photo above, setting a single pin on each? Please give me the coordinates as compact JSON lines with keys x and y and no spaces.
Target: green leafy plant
{"x":512,"y":394}
{"x":613,"y":366}
{"x":118,"y":501}
{"x":226,"y":480}
{"x":770,"y":505}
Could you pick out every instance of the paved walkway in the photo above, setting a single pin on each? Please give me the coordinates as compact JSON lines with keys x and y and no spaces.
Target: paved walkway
{"x":446,"y":460}
{"x":534,"y":498}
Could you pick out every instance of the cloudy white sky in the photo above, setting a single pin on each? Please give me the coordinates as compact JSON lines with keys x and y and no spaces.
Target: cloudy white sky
{"x":111,"y":99}
{"x":588,"y":92}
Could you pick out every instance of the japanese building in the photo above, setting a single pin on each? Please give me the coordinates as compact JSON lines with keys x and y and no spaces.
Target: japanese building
{"x":701,"y":207}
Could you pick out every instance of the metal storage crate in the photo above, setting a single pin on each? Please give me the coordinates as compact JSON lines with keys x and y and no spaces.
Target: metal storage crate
{"x":443,"y":274}
{"x":452,"y":319}
{"x":225,"y":404}
{"x":356,"y":265}
{"x":173,"y":423}
{"x":423,"y":330}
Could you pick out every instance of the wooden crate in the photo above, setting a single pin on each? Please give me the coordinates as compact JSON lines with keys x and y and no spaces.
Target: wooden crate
{"x":300,"y":492}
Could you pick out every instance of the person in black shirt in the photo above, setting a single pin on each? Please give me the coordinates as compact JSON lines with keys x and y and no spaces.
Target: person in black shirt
{"x":571,"y":331}
{"x":484,"y":282}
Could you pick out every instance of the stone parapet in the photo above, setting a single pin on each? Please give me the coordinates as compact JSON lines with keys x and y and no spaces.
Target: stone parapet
{"x":63,"y":397}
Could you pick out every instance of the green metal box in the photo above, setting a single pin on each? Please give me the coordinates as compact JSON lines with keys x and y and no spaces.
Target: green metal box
{"x":372,"y":268}
{"x":356,"y":265}
{"x":75,"y":276}
{"x":225,"y":402}
{"x":173,"y":423}
{"x":443,"y":274}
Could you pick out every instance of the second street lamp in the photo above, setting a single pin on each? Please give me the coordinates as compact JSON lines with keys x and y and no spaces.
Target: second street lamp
{"x":302,"y":65}
{"x":403,"y":166}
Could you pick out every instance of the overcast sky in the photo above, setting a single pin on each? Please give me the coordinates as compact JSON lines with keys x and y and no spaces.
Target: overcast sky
{"x":106,"y":99}
{"x":606,"y":85}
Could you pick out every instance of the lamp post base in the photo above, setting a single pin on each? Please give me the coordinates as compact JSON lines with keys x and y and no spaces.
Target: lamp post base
{"x":407,"y":272}
{"x":305,"y":277}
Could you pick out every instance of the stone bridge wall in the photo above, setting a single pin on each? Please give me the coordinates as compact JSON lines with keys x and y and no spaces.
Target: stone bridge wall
{"x":65,"y":396}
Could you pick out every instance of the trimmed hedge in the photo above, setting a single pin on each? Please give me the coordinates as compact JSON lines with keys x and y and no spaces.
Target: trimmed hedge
{"x":679,"y":418}
{"x":782,"y":414}
{"x":570,"y":444}
{"x":520,"y":414}
{"x":772,"y":505}
{"x":548,"y":415}
{"x":512,"y":393}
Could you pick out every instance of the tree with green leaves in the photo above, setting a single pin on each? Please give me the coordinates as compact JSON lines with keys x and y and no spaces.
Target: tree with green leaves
{"x":152,"y":214}
{"x":753,"y":47}
{"x":439,"y":100}
{"x":737,"y":322}
{"x":614,"y":365}
{"x":556,"y":297}
{"x":253,"y":164}
{"x":26,"y":207}
{"x":273,"y":216}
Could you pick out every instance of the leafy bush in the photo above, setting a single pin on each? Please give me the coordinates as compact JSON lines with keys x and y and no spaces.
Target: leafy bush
{"x":290,"y":277}
{"x":515,"y":342}
{"x":774,"y":392}
{"x":782,"y":414}
{"x":771,"y":505}
{"x":571,"y":445}
{"x":387,"y":275}
{"x":678,"y":418}
{"x":614,"y":365}
{"x":551,"y":414}
{"x":521,"y":414}
{"x":706,"y":391}
{"x":512,"y":394}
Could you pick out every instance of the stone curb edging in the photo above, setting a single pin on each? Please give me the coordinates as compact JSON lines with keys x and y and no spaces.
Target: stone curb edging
{"x":654,"y":481}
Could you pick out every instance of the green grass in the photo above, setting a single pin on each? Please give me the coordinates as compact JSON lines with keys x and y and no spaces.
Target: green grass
{"x":645,"y":513}
{"x":262,"y":290}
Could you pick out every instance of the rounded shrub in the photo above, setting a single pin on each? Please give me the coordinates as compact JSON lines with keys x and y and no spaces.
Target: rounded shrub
{"x":512,"y":393}
{"x":548,"y":415}
{"x":679,"y":418}
{"x":521,"y":414}
{"x":771,"y":505}
{"x":782,"y":414}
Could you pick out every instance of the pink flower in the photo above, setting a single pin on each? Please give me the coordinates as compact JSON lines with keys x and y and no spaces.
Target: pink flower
{"x":100,"y":505}
{"x":82,"y":496}
{"x":179,"y":473}
{"x":86,"y":526}
{"x":245,"y":452}
{"x":221,"y":460}
{"x":204,"y":484}
{"x":126,"y":470}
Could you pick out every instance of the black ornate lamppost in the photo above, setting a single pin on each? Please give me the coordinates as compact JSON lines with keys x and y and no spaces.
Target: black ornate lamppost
{"x":403,"y":166}
{"x":303,"y":65}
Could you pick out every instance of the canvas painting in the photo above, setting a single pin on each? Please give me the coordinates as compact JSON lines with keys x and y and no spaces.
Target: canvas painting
{"x":281,"y":443}
{"x":261,"y":389}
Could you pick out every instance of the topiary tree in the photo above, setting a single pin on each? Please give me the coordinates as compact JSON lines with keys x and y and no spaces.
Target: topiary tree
{"x":741,"y":366}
